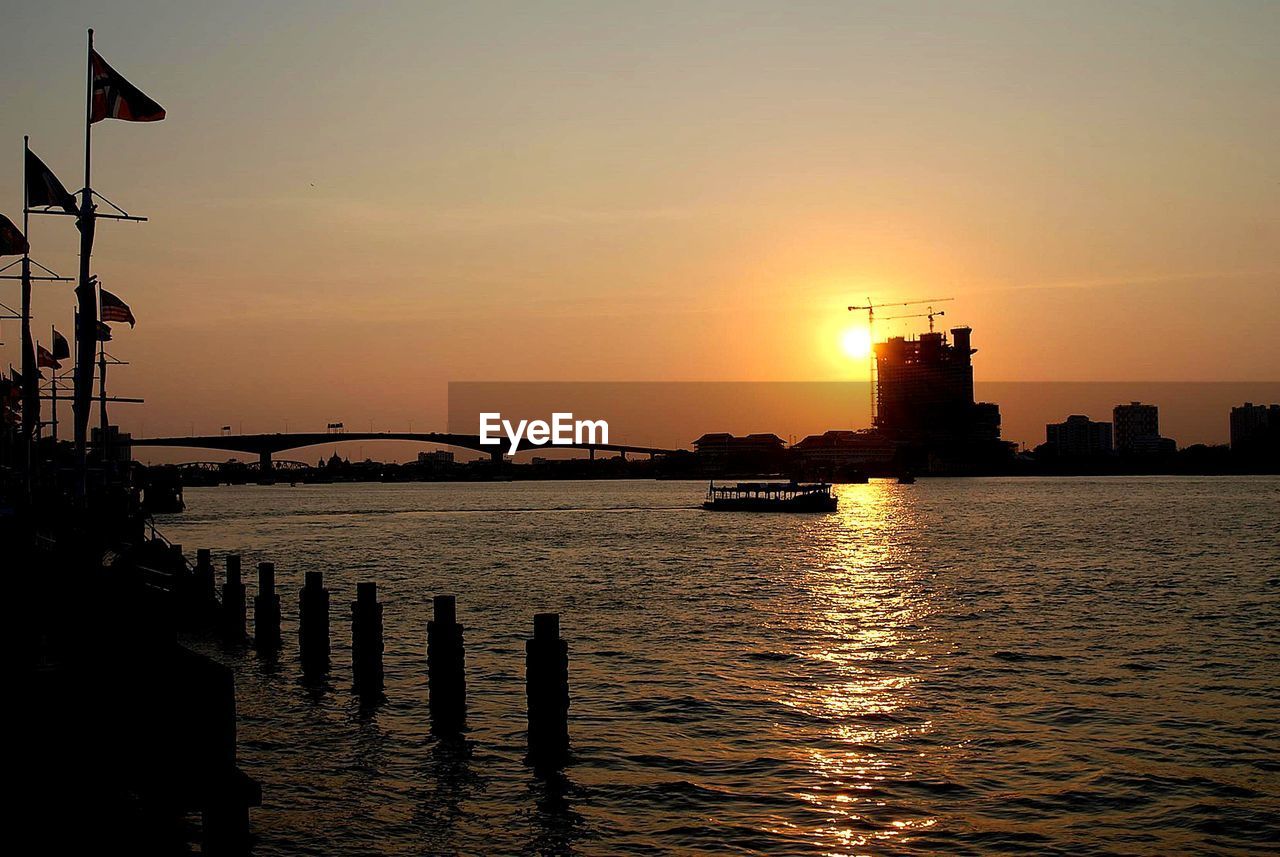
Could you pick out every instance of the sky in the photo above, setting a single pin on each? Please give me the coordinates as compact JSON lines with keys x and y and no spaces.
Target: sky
{"x":353,"y":204}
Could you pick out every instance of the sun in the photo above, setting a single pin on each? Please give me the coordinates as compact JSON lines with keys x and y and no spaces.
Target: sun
{"x":856,"y":342}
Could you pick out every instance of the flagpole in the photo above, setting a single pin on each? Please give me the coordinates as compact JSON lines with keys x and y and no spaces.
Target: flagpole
{"x":30,"y":383}
{"x":53,"y":337}
{"x":102,"y":372}
{"x":86,"y":299}
{"x":88,"y":112}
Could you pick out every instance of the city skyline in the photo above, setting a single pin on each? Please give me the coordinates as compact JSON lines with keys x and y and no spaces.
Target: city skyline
{"x":406,"y":197}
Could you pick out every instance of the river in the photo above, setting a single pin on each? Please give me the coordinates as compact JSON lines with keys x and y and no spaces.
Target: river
{"x":959,"y":665}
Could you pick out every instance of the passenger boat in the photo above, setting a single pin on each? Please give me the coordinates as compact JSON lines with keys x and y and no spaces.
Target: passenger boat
{"x":770,"y":497}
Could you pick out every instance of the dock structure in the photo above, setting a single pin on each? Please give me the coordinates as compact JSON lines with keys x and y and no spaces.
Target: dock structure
{"x":366,"y":641}
{"x":446,"y":669}
{"x":313,"y":625}
{"x":124,"y":732}
{"x":266,"y":611}
{"x":547,"y":689}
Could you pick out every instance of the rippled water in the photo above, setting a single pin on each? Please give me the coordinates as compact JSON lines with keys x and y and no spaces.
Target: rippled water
{"x":965,"y":666}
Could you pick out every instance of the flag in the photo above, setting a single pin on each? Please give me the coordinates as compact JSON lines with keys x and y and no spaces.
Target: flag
{"x":45,"y":358}
{"x":104,"y":330}
{"x":44,"y":189}
{"x":114,"y":309}
{"x":116,"y":98}
{"x":61,"y":351}
{"x":12,"y":241}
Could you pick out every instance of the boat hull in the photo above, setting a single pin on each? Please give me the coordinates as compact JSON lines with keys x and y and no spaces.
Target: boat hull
{"x":761,"y":504}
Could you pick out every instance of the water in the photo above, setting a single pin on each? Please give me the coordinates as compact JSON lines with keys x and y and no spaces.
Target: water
{"x":963,"y":666}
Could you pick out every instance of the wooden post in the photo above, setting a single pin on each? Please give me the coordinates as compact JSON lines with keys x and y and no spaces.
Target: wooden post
{"x":206,"y":589}
{"x":266,"y":610}
{"x":313,"y":625}
{"x":184,"y":586}
{"x":547,"y":688}
{"x":233,"y":604}
{"x":446,"y":668}
{"x":366,"y":640}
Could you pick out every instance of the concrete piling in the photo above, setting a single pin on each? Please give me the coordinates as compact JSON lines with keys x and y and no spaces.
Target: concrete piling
{"x":233,"y":603}
{"x":547,"y":689}
{"x":366,"y":640}
{"x":266,"y":610}
{"x":313,"y":625}
{"x":446,"y":671}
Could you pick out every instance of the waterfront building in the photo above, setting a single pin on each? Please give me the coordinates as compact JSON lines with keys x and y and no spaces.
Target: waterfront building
{"x":832,"y":450}
{"x":1137,"y":430}
{"x":1134,"y":422}
{"x":1255,"y":429}
{"x":1078,"y":437}
{"x":438,"y":459}
{"x":720,"y":452}
{"x":925,"y":404}
{"x":924,"y":390}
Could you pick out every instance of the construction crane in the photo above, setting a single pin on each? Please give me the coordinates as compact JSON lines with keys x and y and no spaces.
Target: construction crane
{"x":871,"y":335}
{"x":929,"y":315}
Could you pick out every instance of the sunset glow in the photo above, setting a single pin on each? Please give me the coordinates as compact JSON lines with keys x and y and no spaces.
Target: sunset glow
{"x":491,"y":183}
{"x":856,"y":343}
{"x":839,"y":427}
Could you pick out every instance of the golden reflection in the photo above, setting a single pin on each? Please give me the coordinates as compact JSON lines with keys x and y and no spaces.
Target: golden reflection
{"x":865,"y":624}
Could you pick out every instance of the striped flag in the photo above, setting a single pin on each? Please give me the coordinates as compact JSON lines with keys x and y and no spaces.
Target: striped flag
{"x":116,"y":98}
{"x":114,"y":309}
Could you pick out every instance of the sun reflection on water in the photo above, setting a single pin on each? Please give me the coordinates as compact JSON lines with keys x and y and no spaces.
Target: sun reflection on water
{"x":863,"y":629}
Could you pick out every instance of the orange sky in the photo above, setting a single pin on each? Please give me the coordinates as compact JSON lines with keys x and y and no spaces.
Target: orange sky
{"x":353,"y":204}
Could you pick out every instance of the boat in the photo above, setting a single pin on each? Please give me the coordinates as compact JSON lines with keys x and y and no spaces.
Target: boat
{"x":906,"y":479}
{"x":770,"y":497}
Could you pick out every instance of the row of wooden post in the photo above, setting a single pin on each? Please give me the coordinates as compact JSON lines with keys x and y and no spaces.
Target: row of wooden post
{"x":546,"y":655}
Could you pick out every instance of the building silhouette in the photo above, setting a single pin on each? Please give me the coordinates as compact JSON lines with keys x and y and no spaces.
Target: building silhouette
{"x":436,"y":460}
{"x":924,"y":390}
{"x":1255,"y":430}
{"x":835,"y":452}
{"x":1078,"y":437}
{"x":722,"y":452}
{"x":924,"y":403}
{"x":1137,"y":430}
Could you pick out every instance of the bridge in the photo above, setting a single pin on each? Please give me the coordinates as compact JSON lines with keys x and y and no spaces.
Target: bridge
{"x":266,"y":445}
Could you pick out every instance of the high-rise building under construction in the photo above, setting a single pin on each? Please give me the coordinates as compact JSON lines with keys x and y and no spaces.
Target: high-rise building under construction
{"x":924,"y":394}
